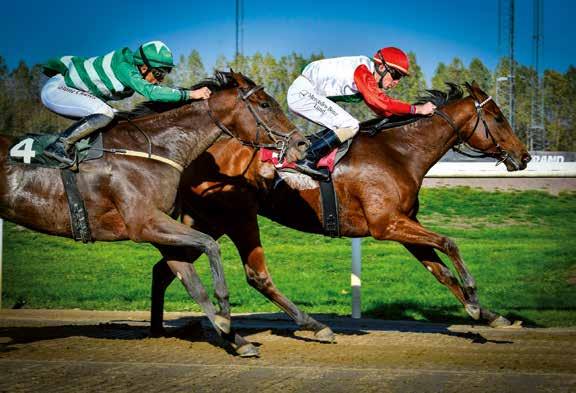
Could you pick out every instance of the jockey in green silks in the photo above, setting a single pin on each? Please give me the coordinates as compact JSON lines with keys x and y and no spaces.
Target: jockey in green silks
{"x":80,"y":88}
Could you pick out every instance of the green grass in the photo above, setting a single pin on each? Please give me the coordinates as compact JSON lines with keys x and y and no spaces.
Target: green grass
{"x":518,"y":245}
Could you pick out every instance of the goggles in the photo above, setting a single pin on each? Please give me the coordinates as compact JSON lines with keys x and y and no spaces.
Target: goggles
{"x":394,"y":73}
{"x":160,"y":73}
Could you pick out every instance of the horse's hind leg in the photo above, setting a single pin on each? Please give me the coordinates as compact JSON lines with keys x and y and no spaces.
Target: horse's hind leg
{"x":162,"y":277}
{"x":247,"y":240}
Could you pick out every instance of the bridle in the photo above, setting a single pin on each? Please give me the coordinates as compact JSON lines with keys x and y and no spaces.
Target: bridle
{"x":281,"y":140}
{"x":500,"y":154}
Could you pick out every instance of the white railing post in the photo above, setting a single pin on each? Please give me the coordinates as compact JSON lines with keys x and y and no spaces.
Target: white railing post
{"x":355,"y":280}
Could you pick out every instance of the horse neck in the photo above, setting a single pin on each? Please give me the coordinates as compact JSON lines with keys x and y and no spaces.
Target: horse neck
{"x":425,"y":142}
{"x":181,"y":134}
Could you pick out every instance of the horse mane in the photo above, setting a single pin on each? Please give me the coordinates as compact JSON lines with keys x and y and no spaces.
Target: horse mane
{"x":220,"y":81}
{"x":441,"y":98}
{"x":437,"y":97}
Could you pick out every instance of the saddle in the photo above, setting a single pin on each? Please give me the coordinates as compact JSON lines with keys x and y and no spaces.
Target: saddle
{"x":29,"y":150}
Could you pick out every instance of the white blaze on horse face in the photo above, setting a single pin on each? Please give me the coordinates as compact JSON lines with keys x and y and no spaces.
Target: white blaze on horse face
{"x":179,"y":275}
{"x":429,"y":268}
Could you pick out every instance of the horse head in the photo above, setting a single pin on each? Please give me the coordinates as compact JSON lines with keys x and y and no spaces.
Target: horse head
{"x":491,"y":133}
{"x":255,"y":117}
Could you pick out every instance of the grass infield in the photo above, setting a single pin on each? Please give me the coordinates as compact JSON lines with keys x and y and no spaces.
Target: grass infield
{"x":518,"y":245}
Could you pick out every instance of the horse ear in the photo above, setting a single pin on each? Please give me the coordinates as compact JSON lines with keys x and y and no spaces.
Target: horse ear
{"x":241,"y":80}
{"x":470,"y":89}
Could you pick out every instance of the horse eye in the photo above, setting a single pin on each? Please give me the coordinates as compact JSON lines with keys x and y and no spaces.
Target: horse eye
{"x":265,"y":104}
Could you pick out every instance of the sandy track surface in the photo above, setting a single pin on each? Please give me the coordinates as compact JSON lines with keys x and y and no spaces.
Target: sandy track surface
{"x":552,"y":185}
{"x":77,"y":351}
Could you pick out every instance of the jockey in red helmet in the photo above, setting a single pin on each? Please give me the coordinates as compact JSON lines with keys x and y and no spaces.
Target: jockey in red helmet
{"x":314,"y":93}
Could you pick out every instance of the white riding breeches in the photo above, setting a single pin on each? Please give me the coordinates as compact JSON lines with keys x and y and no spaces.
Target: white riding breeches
{"x":72,"y":103}
{"x":303,"y":100}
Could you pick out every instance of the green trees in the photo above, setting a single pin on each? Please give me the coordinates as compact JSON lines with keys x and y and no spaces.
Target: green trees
{"x":21,"y":110}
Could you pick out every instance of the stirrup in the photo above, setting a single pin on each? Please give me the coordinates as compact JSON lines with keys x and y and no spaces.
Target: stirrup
{"x":313,"y":173}
{"x":57,"y":151}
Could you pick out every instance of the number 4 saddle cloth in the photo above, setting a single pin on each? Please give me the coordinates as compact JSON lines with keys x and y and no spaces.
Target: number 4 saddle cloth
{"x":29,"y":150}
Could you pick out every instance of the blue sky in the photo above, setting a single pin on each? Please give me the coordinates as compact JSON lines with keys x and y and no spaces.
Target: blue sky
{"x":435,"y":31}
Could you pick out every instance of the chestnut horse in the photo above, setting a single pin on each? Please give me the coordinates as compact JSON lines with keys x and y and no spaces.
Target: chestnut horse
{"x":377,"y":183}
{"x":134,"y":197}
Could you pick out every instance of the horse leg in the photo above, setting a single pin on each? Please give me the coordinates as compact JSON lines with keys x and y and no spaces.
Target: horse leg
{"x":162,"y":277}
{"x":171,"y":237}
{"x":247,"y":241}
{"x":432,"y":262}
{"x":407,"y":231}
{"x":187,"y":274}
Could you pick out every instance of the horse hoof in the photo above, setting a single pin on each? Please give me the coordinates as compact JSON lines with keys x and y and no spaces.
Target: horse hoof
{"x":222,"y":323}
{"x":473,"y":310}
{"x":325,"y":335}
{"x":248,"y":351}
{"x":503,"y":323}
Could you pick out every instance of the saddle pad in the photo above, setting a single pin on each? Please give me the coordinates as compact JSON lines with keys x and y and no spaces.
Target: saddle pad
{"x":29,"y":150}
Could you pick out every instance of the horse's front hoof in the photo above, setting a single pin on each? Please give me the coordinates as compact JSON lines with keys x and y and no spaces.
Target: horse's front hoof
{"x":222,"y":323}
{"x":474,"y":311}
{"x":504,"y":323}
{"x":325,"y":335}
{"x":248,"y":351}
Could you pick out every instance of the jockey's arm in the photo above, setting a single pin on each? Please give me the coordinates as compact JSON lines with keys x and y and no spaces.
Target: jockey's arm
{"x":376,"y":99}
{"x":130,"y":77}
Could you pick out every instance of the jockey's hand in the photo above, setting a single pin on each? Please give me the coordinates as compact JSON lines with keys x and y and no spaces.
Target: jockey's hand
{"x":200,"y":94}
{"x":425,"y":109}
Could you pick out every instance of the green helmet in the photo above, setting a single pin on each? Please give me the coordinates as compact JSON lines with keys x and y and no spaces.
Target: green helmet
{"x":155,"y":54}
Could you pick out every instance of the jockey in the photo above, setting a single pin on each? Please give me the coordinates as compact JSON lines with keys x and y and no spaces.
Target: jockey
{"x":353,"y":78}
{"x":80,"y":88}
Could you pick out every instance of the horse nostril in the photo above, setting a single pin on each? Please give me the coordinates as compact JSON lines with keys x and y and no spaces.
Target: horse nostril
{"x":526,"y":158}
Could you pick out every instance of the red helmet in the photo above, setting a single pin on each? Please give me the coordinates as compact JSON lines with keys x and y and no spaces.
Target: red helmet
{"x":393,"y":57}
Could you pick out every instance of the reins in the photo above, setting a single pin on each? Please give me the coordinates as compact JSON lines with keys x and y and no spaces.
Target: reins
{"x":279,"y":144}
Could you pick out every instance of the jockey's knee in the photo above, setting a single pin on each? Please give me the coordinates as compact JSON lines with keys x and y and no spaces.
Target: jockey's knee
{"x":345,"y":133}
{"x":105,"y":110}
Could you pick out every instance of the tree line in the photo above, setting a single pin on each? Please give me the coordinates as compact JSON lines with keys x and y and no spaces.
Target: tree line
{"x":21,"y":110}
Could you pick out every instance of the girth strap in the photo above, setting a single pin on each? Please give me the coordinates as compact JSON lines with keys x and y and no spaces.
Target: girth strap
{"x":78,"y":214}
{"x":329,"y":200}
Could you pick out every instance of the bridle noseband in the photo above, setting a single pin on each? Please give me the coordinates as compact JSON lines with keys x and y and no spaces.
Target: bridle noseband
{"x":501,"y":154}
{"x":281,"y":140}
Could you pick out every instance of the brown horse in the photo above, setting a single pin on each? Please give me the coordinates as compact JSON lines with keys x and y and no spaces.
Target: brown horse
{"x":377,"y":183}
{"x":134,"y":198}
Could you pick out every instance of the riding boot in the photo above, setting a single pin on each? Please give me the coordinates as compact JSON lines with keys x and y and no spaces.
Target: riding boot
{"x":60,"y":149}
{"x":323,"y":142}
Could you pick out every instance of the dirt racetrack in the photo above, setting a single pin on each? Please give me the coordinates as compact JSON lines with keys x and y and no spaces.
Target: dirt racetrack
{"x":78,"y":351}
